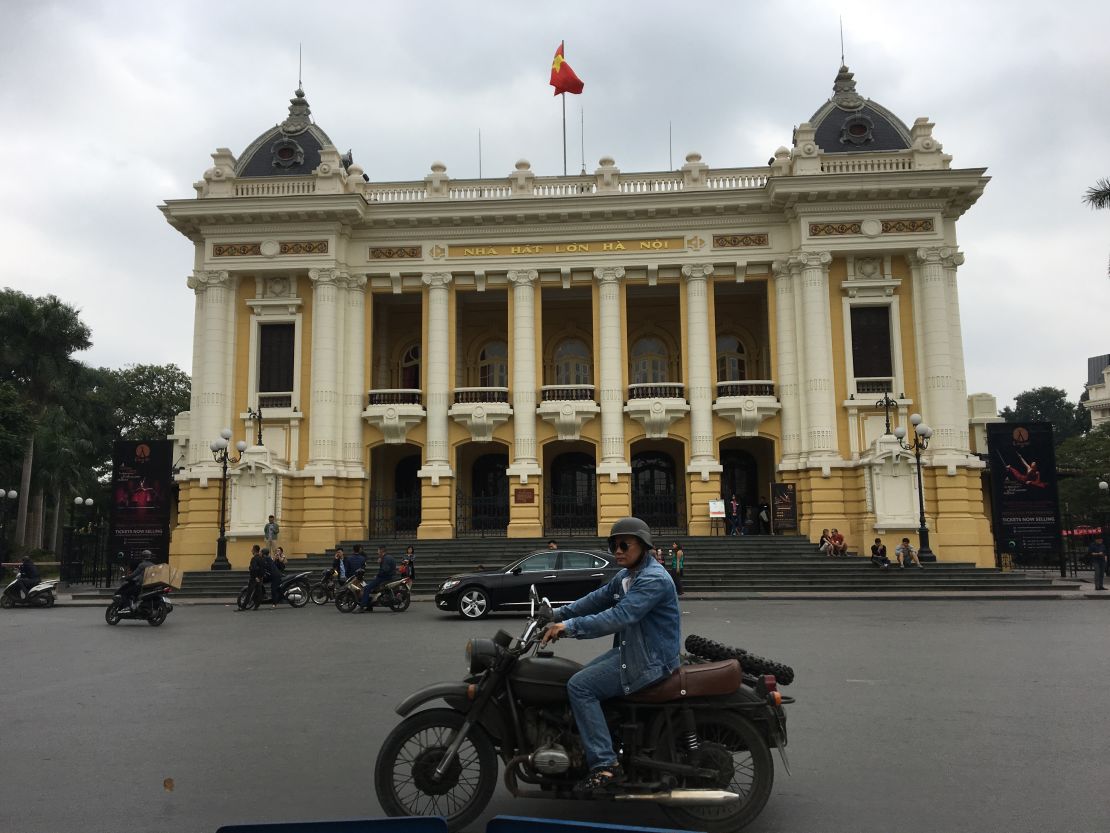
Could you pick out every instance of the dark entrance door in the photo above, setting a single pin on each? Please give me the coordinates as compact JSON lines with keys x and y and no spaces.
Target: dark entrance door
{"x":398,"y":514}
{"x":657,"y":494}
{"x":571,"y":499}
{"x":740,"y":477}
{"x":485,"y":509}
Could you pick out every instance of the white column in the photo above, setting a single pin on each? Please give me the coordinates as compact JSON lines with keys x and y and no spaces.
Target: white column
{"x":323,"y":441}
{"x":956,"y":336}
{"x":942,"y":368}
{"x":380,"y":357}
{"x":817,"y":369}
{"x":354,"y":383}
{"x":198,"y":446}
{"x":524,"y":463}
{"x":786,"y":371}
{"x":612,"y":380}
{"x":699,"y":377}
{"x":438,"y":395}
{"x":212,"y":393}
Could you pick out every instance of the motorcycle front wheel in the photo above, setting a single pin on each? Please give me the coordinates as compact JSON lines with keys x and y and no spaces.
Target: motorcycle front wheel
{"x":737,"y":750}
{"x":244,"y":602}
{"x":7,"y":602}
{"x":401,"y":600}
{"x":319,"y":594}
{"x":112,"y":614}
{"x":345,"y":602}
{"x":404,"y":775}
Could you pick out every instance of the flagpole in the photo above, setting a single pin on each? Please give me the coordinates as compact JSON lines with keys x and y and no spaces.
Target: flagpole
{"x":564,"y":97}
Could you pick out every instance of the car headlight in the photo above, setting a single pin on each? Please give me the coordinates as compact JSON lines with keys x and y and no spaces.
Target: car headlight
{"x":451,"y":582}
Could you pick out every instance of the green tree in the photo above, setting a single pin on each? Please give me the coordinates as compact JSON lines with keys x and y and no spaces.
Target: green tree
{"x":36,"y":358}
{"x":145,"y":398}
{"x":1083,"y":461}
{"x":15,"y":426}
{"x":1098,"y":195}
{"x":1048,"y":404}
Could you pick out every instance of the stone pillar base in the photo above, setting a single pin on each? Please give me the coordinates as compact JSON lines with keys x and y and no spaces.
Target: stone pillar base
{"x":436,"y":503}
{"x":614,"y":501}
{"x":701,"y":492}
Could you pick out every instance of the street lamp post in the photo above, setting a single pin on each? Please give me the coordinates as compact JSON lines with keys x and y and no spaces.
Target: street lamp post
{"x":256,"y":416}
{"x":72,"y":573}
{"x":886,"y":403}
{"x":222,"y":455}
{"x":918,"y":443}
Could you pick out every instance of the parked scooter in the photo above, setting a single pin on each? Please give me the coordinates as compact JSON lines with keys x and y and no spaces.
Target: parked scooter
{"x":294,"y":590}
{"x":325,"y":589}
{"x":395,"y":594}
{"x":42,"y":594}
{"x":153,"y":605}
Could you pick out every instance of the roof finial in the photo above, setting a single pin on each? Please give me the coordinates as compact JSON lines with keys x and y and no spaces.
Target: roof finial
{"x":298,"y":120}
{"x":842,"y":41}
{"x":300,"y":86}
{"x":844,"y":90}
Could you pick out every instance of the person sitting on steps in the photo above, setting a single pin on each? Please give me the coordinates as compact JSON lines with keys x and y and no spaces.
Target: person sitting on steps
{"x":905,"y":553}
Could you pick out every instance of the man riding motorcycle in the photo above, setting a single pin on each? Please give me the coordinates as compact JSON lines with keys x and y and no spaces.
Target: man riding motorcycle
{"x":640,"y":608}
{"x":133,"y":584}
{"x":28,"y":576}
{"x":387,"y":572}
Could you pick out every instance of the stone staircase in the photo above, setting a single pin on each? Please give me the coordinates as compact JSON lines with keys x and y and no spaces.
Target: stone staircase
{"x":742,"y":565}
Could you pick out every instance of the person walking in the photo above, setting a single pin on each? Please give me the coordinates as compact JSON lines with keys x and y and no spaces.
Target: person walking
{"x":270,"y":532}
{"x":1097,"y":553}
{"x":679,"y":564}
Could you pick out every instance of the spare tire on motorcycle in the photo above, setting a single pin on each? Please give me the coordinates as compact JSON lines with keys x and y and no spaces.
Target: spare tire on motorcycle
{"x":708,"y":649}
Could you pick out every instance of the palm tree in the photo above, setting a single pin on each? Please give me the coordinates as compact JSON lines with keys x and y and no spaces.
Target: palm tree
{"x":1098,"y":195}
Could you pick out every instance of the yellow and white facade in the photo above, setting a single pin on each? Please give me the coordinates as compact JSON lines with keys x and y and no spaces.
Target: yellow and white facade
{"x":534,"y":355}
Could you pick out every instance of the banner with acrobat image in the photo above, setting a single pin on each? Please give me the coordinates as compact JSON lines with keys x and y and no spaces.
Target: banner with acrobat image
{"x":1023,"y":485}
{"x":141,"y":491}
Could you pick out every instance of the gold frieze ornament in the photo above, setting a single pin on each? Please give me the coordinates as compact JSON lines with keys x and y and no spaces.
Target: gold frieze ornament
{"x":236,"y":249}
{"x":908,"y":225}
{"x":394,"y":252}
{"x":740,"y":241}
{"x":835,"y":229}
{"x":304,"y":247}
{"x":574,"y":247}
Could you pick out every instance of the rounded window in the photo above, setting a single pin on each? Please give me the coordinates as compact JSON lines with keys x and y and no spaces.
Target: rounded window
{"x":493,"y":365}
{"x":650,"y":361}
{"x":572,"y":363}
{"x":732,"y":360}
{"x":409,"y":371}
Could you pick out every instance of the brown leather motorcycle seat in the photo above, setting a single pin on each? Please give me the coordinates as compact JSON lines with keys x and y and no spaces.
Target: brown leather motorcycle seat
{"x":707,"y":679}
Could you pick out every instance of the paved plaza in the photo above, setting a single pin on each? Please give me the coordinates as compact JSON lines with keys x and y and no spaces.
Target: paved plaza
{"x":911,"y":716}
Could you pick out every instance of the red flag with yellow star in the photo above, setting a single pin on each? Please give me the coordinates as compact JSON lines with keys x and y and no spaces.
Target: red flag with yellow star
{"x":563,"y":78}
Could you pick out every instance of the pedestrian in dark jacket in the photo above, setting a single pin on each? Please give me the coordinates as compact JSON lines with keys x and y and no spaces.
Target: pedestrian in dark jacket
{"x":338,"y":565}
{"x":410,"y":557}
{"x":387,"y":571}
{"x":28,"y":576}
{"x":273,"y":573}
{"x":355,"y":561}
{"x":133,"y":584}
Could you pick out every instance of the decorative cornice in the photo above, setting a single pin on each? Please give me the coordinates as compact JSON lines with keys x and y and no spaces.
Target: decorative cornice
{"x":285,"y":247}
{"x":741,"y":240}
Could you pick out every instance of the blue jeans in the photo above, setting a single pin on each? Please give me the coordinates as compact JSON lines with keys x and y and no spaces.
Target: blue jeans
{"x":1100,"y":571}
{"x":599,"y":680}
{"x":370,"y":588}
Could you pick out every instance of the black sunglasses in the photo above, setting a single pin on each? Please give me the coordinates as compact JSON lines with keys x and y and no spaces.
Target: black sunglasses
{"x":618,"y":545}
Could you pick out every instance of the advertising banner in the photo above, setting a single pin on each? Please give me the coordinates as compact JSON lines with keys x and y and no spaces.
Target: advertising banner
{"x":1023,"y":482}
{"x":784,"y":505}
{"x":142,"y":487}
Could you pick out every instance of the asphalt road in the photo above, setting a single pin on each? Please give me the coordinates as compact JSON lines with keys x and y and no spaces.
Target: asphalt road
{"x":911,"y":716}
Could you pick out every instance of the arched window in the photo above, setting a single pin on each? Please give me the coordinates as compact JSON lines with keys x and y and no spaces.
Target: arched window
{"x":650,"y":361}
{"x":493,"y":365}
{"x":732,"y":360}
{"x":409,"y":371}
{"x":572,"y":362}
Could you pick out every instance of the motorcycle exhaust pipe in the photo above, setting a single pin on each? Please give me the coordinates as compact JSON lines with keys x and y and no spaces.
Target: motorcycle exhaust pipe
{"x":683,"y":797}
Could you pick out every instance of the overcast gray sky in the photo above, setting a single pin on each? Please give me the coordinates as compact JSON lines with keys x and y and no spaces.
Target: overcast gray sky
{"x":114,"y":107}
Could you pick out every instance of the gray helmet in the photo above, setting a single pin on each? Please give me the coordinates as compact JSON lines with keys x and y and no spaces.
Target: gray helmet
{"x":147,"y":554}
{"x":631,"y":526}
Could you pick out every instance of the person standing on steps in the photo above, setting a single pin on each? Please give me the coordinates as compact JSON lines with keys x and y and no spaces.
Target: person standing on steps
{"x":270,"y":532}
{"x":679,"y":563}
{"x":410,"y":557}
{"x":763,"y":514}
{"x":1097,"y":553}
{"x":734,"y":521}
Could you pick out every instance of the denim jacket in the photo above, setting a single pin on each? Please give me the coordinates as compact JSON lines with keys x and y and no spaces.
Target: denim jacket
{"x":645,"y":622}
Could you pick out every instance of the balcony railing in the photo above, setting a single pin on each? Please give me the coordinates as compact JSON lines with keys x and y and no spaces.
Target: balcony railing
{"x":466,"y":396}
{"x":874,"y":385}
{"x":565,"y":393}
{"x":397,"y":396}
{"x":748,"y":387}
{"x":657,"y":390}
{"x":275,"y":187}
{"x":275,"y":400}
{"x":865,"y":164}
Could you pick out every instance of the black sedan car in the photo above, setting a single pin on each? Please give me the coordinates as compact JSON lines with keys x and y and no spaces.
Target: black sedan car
{"x":560,"y":575}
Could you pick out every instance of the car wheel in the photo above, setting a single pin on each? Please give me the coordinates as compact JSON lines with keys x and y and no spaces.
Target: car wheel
{"x":473,"y":603}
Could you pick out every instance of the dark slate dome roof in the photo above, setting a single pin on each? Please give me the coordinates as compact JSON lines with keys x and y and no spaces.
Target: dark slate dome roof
{"x":849,"y":123}
{"x":291,"y":148}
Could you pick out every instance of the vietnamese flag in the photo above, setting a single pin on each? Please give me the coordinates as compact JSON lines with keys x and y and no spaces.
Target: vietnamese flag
{"x":563,"y":78}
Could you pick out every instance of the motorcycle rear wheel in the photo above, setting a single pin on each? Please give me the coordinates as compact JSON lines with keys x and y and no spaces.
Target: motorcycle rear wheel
{"x":297,"y":594}
{"x":346,"y":601}
{"x":244,"y":600}
{"x":320,"y":594}
{"x":158,"y":615}
{"x":112,"y":614}
{"x":403,"y":773}
{"x":7,"y":602}
{"x":401,"y":600}
{"x":748,"y":768}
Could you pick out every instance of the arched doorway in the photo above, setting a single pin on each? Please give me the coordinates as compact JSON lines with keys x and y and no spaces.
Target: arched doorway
{"x":740,"y":476}
{"x":571,"y":495}
{"x":483,"y":510}
{"x":658,"y":496}
{"x":395,"y":491}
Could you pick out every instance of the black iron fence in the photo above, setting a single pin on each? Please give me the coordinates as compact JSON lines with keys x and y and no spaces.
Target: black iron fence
{"x":481,"y":516}
{"x":85,"y":558}
{"x":664,"y":514}
{"x":394,"y":517}
{"x":567,"y":515}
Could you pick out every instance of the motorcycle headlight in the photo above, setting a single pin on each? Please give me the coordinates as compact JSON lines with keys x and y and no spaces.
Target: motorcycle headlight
{"x":480,"y":654}
{"x":447,"y":585}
